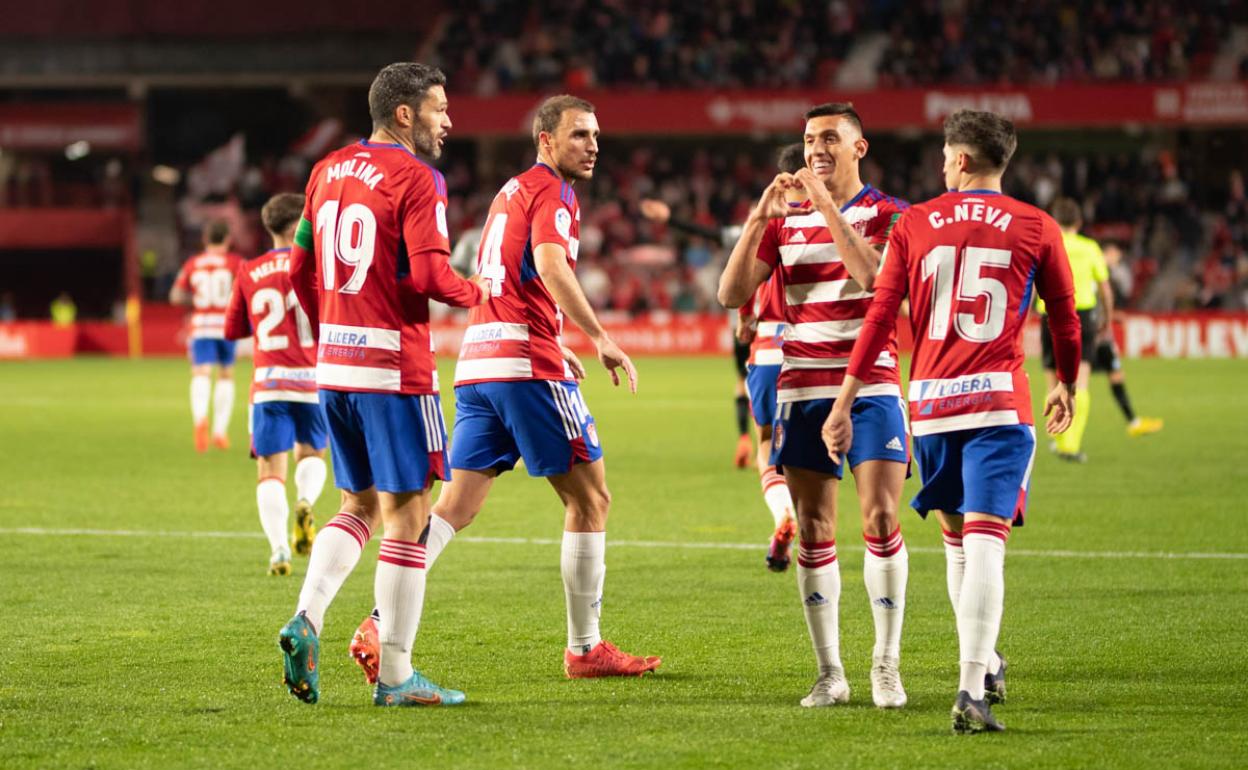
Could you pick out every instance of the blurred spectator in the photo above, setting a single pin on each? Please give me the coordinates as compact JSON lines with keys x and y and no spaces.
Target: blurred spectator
{"x":63,"y":310}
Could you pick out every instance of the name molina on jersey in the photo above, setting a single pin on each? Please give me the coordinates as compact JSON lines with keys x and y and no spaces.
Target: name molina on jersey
{"x":365,"y":172}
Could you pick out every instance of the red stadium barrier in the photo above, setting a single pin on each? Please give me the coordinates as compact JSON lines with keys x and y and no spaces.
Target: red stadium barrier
{"x":1184,"y":335}
{"x":739,"y":112}
{"x":36,"y":339}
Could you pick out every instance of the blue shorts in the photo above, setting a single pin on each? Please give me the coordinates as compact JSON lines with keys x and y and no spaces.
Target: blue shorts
{"x":277,"y":425}
{"x":982,"y":470}
{"x":879,"y":434}
{"x":210,"y":351}
{"x":760,"y":382}
{"x":545,"y":422}
{"x":395,"y":442}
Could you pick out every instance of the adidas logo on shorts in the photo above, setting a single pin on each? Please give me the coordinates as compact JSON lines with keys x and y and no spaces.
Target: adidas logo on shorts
{"x":894,"y":445}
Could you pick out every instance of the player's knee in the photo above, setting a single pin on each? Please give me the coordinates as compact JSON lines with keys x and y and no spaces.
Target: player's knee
{"x":879,"y":519}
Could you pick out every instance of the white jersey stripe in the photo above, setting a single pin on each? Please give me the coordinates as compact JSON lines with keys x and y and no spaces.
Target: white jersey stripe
{"x":298,"y":396}
{"x":788,"y":395}
{"x":291,"y":373}
{"x":768,"y":357}
{"x":496,"y":331}
{"x":825,"y":331}
{"x":360,"y":337}
{"x":921,"y":390}
{"x":359,"y":377}
{"x":921,"y":427}
{"x":769,"y":328}
{"x":808,"y":254}
{"x":824,"y":291}
{"x":493,"y":368}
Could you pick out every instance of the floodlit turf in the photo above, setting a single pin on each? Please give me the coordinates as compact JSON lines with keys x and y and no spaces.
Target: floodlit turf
{"x":143,"y":650}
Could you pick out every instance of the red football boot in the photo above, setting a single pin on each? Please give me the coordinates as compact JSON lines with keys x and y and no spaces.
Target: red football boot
{"x":366,"y":649}
{"x":607,"y":660}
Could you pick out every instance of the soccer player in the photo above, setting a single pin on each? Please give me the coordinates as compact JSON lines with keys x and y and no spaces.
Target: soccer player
{"x":283,"y":408}
{"x":204,"y":284}
{"x":826,"y":255}
{"x":761,"y":324}
{"x":516,"y":392}
{"x":967,"y":260}
{"x":1094,"y":301}
{"x":370,"y":252}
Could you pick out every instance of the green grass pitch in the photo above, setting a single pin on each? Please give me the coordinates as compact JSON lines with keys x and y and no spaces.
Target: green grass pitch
{"x":1126,"y":603}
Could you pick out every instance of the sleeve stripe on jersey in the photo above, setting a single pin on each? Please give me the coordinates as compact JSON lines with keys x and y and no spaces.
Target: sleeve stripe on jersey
{"x":439,"y":183}
{"x":566,"y":194}
{"x":892,"y":222}
{"x":303,"y":235}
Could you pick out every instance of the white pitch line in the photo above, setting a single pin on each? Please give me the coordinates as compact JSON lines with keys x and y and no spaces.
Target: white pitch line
{"x":1025,"y":552}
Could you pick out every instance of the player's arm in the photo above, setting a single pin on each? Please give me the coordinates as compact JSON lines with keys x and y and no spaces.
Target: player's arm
{"x":429,"y":249}
{"x":180,"y":294}
{"x":1056,"y":287}
{"x":551,"y":261}
{"x":860,"y":258}
{"x":1100,"y":272}
{"x":747,"y":322}
{"x":237,"y":324}
{"x":756,"y":254}
{"x":303,"y":268}
{"x":881,"y":321}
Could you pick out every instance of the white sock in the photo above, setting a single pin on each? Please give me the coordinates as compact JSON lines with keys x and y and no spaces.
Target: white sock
{"x":222,"y":406}
{"x":583,"y":564}
{"x":955,"y":565}
{"x":885,"y":570}
{"x":819,"y":581}
{"x":438,"y":537}
{"x":776,"y":495}
{"x":201,"y":391}
{"x":310,"y":475}
{"x":981,"y":602}
{"x":274,"y":510}
{"x":399,"y":590}
{"x":334,"y":554}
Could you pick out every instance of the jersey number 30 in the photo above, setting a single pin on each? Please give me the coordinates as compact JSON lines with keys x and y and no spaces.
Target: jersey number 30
{"x":350,"y":238}
{"x":971,"y":285}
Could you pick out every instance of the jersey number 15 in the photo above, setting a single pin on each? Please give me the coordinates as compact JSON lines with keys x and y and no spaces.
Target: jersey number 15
{"x":972,"y":284}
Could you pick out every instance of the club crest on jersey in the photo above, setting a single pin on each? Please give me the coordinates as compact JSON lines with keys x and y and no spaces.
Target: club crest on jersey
{"x":439,"y":213}
{"x":563,"y":223}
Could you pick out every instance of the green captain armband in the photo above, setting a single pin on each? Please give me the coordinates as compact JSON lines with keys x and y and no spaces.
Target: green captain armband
{"x":303,"y":235}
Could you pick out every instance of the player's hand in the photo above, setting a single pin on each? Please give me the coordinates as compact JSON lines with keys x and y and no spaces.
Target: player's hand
{"x":574,"y":363}
{"x":655,"y":210}
{"x":484,"y":285}
{"x":747,"y":329}
{"x":818,"y":194}
{"x":773,"y":204}
{"x":613,"y":358}
{"x":1059,"y":408}
{"x":838,"y":433}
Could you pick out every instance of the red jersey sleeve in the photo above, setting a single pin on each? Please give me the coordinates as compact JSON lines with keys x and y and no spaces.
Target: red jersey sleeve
{"x":183,"y":281}
{"x":1056,"y":287}
{"x":237,"y":324}
{"x":551,"y":221}
{"x":890,"y":290}
{"x":303,"y":261}
{"x":428,"y":244}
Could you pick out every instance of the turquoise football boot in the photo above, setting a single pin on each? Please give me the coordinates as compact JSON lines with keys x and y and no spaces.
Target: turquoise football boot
{"x":301,"y":654}
{"x":416,"y":691}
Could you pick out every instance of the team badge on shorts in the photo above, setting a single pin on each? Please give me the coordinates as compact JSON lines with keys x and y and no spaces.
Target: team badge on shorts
{"x":591,"y":433}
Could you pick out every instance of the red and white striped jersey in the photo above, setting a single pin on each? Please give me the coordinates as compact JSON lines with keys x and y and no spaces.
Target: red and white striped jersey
{"x":285,"y":351}
{"x":208,"y":278}
{"x":767,"y":308}
{"x":370,"y":253}
{"x":516,"y":334}
{"x":824,"y":306}
{"x":967,"y":261}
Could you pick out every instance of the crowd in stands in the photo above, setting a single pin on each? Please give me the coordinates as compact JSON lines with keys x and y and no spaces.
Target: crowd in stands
{"x":503,"y":45}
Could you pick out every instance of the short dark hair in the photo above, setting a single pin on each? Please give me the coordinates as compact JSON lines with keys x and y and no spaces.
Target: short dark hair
{"x":216,"y":232}
{"x":551,"y":112}
{"x":1067,"y":212}
{"x":990,"y":137}
{"x":791,"y":158}
{"x":405,"y":82}
{"x":281,"y":212}
{"x":836,"y":108}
